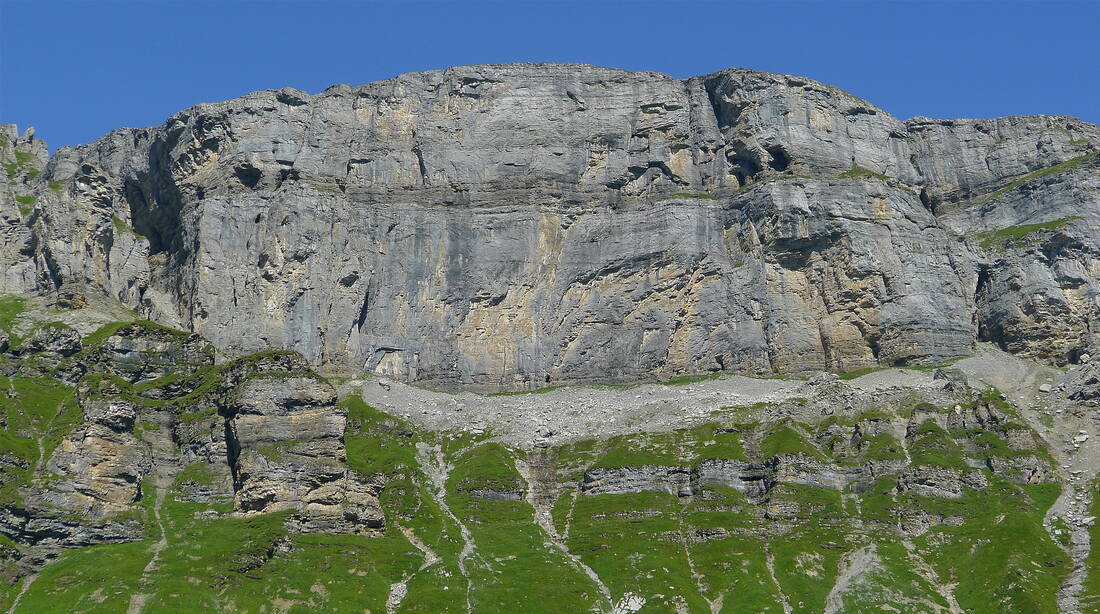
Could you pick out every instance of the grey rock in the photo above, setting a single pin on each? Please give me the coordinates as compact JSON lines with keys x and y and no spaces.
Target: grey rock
{"x":513,"y":226}
{"x":622,"y":480}
{"x":141,"y":352}
{"x":944,"y":482}
{"x":955,"y":378}
{"x":286,"y":434}
{"x":55,"y":342}
{"x":1027,"y":469}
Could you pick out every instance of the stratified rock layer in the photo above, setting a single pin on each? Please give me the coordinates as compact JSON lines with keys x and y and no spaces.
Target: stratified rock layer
{"x":513,"y":226}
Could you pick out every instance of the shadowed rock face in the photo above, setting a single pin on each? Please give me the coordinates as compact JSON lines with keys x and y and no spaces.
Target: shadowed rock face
{"x":513,"y":226}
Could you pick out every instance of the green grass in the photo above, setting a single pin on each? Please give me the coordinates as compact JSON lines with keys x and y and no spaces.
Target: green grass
{"x":102,"y":333}
{"x":934,"y":366}
{"x":1090,"y":591}
{"x":934,"y":446}
{"x":858,"y":171}
{"x":717,"y":443}
{"x":22,"y":159}
{"x":514,"y":570}
{"x":1015,"y":236}
{"x":806,"y":559}
{"x":196,"y":473}
{"x":92,"y":579}
{"x":376,"y":442}
{"x":1061,"y":167}
{"x":489,"y":466}
{"x":893,"y":584}
{"x":24,"y":203}
{"x":632,"y":542}
{"x":732,"y":561}
{"x":122,"y":228}
{"x":239,"y":565}
{"x":883,"y":447}
{"x":36,"y":411}
{"x":1062,"y":527}
{"x":989,"y":542}
{"x":1000,"y":554}
{"x":787,"y":440}
{"x":681,"y":380}
{"x":10,"y":308}
{"x":989,"y":444}
{"x":660,"y":449}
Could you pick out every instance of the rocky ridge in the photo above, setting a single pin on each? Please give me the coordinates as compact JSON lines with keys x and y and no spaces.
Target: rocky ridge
{"x":551,"y":224}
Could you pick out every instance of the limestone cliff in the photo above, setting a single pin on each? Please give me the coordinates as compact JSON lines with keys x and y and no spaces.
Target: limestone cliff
{"x":516,"y":226}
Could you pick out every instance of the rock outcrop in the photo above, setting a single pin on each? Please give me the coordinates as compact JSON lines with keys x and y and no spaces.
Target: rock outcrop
{"x":545,"y":224}
{"x":287,"y":453}
{"x":263,"y":433}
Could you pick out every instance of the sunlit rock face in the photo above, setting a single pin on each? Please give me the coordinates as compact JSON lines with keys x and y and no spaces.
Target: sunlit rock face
{"x":516,"y":226}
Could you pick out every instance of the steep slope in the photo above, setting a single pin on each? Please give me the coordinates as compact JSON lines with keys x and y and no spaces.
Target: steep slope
{"x":516,"y":226}
{"x":139,"y":476}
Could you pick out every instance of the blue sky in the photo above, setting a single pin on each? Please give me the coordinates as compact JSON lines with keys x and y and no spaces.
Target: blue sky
{"x":78,"y":69}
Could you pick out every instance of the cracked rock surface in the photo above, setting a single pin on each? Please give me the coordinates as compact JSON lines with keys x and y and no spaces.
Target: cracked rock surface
{"x":515,"y":226}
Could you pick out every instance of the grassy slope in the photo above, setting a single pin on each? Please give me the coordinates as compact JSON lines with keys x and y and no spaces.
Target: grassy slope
{"x":675,"y":552}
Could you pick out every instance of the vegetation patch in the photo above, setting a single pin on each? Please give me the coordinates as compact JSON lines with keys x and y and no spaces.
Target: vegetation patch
{"x":1061,"y":167}
{"x":934,"y":446}
{"x":10,"y":308}
{"x":641,"y":449}
{"x":857,"y":172}
{"x":24,"y":203}
{"x":681,"y":380}
{"x":37,"y":412}
{"x":122,"y":228}
{"x":22,"y":159}
{"x":787,"y":440}
{"x":1017,"y":236}
{"x":377,"y":443}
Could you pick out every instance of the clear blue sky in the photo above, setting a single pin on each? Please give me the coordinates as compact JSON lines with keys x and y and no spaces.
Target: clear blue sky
{"x":78,"y":69}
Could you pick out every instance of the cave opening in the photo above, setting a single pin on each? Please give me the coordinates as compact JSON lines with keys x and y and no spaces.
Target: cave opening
{"x":779,"y":161}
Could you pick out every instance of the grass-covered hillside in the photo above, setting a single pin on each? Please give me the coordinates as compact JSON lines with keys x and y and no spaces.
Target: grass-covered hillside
{"x":141,"y":475}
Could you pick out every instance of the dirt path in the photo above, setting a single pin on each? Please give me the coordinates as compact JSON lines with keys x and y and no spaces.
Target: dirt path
{"x":27,"y":582}
{"x":1072,"y":507}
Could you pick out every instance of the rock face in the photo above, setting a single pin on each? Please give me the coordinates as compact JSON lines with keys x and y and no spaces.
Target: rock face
{"x":287,"y":452}
{"x":150,"y":408}
{"x":513,"y":226}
